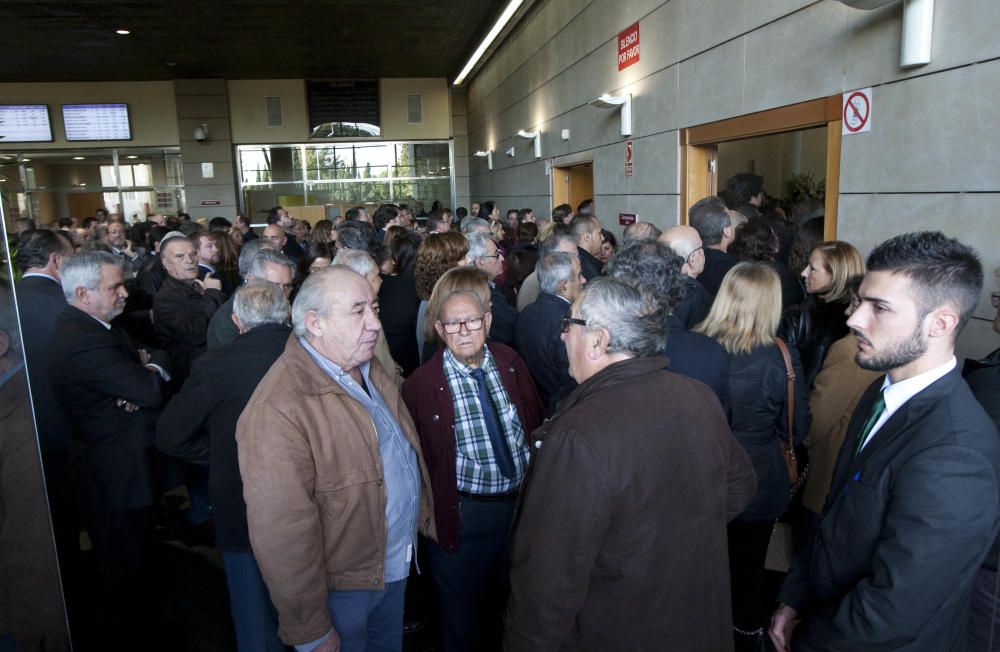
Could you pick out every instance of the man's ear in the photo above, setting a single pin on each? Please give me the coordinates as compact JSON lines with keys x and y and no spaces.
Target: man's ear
{"x":81,"y":295}
{"x":314,"y":324}
{"x":597,"y":345}
{"x":943,"y":322}
{"x":239,"y":324}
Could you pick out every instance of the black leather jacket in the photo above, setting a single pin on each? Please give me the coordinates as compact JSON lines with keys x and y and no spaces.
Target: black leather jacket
{"x":812,"y":327}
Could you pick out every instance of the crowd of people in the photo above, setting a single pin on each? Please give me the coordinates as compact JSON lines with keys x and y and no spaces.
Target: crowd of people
{"x":582,"y":440}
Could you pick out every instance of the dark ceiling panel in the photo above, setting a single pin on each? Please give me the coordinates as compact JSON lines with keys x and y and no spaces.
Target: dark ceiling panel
{"x":251,"y":39}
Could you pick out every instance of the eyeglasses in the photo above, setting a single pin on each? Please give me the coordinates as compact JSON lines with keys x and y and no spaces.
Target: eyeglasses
{"x":995,"y":299}
{"x":568,"y":321}
{"x":693,"y":252}
{"x":471,"y":324}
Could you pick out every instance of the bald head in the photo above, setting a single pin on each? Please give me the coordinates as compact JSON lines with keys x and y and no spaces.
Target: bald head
{"x":686,"y":243}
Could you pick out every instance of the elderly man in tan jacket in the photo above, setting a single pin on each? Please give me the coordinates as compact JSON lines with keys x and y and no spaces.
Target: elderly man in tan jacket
{"x":333,"y":474}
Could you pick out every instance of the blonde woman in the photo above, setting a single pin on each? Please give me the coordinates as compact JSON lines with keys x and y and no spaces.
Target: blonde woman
{"x":744,"y":319}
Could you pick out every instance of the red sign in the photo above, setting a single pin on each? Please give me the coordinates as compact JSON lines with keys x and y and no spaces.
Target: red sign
{"x":857,"y":111}
{"x":626,"y":218}
{"x":628,"y":158}
{"x":628,"y":46}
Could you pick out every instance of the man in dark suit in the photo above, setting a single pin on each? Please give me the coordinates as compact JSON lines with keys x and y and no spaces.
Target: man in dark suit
{"x":40,"y":301}
{"x":539,"y":327}
{"x":215,"y":394}
{"x":111,"y":391}
{"x":913,"y":506}
{"x":711,"y":219}
{"x":484,"y":254}
{"x":586,"y":230}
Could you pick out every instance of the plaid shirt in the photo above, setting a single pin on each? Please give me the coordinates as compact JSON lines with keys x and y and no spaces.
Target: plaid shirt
{"x":475,"y":467}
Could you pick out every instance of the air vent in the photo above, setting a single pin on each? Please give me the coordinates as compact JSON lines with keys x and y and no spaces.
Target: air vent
{"x":273,"y":111}
{"x":414,"y":110}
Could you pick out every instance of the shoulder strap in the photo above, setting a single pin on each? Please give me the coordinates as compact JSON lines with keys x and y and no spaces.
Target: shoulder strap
{"x":790,"y":384}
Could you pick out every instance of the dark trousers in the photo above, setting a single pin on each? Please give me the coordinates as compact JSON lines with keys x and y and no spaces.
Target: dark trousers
{"x":254,"y":616}
{"x":473,"y":582}
{"x":747,"y":552}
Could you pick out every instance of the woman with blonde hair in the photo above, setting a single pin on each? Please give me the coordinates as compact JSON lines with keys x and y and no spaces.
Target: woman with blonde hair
{"x":815,"y":324}
{"x":438,"y":253}
{"x":744,"y":320}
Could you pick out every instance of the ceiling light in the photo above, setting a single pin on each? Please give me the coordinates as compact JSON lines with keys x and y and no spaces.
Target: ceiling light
{"x":488,"y":153}
{"x":26,"y":160}
{"x":79,"y":158}
{"x":502,"y":21}
{"x":623,"y":102}
{"x":122,"y":32}
{"x":536,"y":137}
{"x":132,"y":156}
{"x":171,"y":63}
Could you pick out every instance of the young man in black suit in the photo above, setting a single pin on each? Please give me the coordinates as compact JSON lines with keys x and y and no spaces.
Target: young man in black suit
{"x":111,"y":391}
{"x":914,"y":505}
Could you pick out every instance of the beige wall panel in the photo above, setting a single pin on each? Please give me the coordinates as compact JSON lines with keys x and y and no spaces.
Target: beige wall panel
{"x":435,"y":108}
{"x":248,"y":111}
{"x":709,"y":89}
{"x":152,"y":111}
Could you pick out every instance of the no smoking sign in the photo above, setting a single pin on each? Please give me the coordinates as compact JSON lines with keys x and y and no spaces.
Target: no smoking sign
{"x":857,"y":113}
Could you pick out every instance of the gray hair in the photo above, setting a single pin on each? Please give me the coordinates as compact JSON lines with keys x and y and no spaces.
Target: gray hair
{"x":357,"y":260}
{"x":471,"y":224}
{"x":552,"y":243}
{"x":316,"y":294}
{"x":553,"y":269}
{"x":83,"y":270}
{"x":634,"y":322}
{"x":477,"y":245}
{"x":258,"y":267}
{"x":260,"y":302}
{"x":639,"y":231}
{"x":249,"y":252}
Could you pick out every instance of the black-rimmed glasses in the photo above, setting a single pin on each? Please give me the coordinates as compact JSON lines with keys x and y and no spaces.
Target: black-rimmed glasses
{"x":471,"y":324}
{"x":568,"y":321}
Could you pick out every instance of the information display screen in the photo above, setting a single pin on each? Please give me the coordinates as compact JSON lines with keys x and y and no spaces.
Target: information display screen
{"x":25,"y":123}
{"x":96,"y":122}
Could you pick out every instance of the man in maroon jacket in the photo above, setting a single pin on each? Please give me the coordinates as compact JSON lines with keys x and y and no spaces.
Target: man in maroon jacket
{"x":474,"y":406}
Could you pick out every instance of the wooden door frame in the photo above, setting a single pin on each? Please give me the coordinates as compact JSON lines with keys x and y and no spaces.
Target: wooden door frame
{"x":699,"y":143}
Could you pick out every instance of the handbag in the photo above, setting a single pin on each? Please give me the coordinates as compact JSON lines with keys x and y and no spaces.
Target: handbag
{"x":796,"y":477}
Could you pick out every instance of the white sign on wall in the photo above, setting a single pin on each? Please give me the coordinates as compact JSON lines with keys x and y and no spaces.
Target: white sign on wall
{"x":857,"y":112}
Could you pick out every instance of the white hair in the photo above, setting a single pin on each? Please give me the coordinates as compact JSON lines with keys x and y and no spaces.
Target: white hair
{"x":83,"y":270}
{"x":634,"y":322}
{"x":260,"y":302}
{"x":356,"y":260}
{"x":477,"y":245}
{"x":553,"y":269}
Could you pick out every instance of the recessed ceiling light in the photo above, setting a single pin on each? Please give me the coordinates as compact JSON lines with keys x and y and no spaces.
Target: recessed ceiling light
{"x":132,"y":156}
{"x":79,"y":158}
{"x":122,"y":32}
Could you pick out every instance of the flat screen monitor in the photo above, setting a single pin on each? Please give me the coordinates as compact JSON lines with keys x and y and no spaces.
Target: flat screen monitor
{"x":96,"y":122}
{"x":25,"y":123}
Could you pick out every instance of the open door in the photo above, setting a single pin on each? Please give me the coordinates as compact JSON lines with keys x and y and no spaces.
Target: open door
{"x":700,"y":149}
{"x":571,"y":184}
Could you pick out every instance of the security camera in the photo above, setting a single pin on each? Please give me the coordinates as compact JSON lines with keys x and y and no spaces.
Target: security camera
{"x":201,"y":133}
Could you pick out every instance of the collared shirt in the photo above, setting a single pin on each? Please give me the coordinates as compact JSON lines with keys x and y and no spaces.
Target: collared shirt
{"x":40,"y":274}
{"x":399,"y":467}
{"x":897,"y":394}
{"x":475,"y":465}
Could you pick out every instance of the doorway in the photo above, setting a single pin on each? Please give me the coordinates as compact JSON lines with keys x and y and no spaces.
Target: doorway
{"x":801,"y":139}
{"x":571,"y":184}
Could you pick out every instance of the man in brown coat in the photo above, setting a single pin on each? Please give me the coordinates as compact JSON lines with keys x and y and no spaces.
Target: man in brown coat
{"x":333,"y":475}
{"x":619,"y":540}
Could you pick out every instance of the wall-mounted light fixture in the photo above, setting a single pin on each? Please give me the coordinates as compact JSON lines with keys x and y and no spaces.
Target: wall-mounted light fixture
{"x":623,"y":102}
{"x":536,"y":137}
{"x":510,"y":152}
{"x":201,"y":133}
{"x":488,"y":154}
{"x":918,"y":27}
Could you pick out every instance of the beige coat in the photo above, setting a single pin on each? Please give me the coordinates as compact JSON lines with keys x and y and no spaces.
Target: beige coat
{"x":312,"y":480}
{"x":837,"y":389}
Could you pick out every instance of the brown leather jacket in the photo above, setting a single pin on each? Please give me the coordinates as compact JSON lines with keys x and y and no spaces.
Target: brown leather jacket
{"x":312,"y":480}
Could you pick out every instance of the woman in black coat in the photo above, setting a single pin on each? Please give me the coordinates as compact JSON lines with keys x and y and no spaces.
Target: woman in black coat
{"x":398,"y":303}
{"x":744,"y":319}
{"x":815,"y":324}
